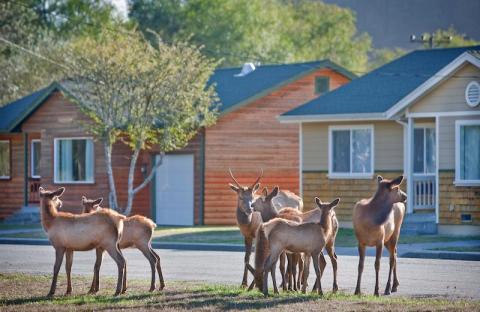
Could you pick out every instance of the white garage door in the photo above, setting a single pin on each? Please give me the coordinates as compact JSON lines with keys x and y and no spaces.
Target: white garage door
{"x":174,"y":183}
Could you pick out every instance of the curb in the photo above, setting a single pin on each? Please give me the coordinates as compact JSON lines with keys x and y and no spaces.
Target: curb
{"x":467,"y":256}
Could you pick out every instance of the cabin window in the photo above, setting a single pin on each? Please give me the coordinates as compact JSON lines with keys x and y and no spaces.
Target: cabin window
{"x":467,"y":148}
{"x":351,"y":151}
{"x":35,"y":158}
{"x":73,"y":160}
{"x":5,"y":159}
{"x":424,"y":150}
{"x":322,"y":84}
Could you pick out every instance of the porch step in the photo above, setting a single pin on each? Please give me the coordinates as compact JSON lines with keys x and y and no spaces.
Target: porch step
{"x":26,"y":215}
{"x":419,"y":223}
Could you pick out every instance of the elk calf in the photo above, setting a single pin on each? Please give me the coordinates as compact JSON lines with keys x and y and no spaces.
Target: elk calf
{"x":377,"y":222}
{"x":278,"y":235}
{"x":68,"y":233}
{"x":137,"y":232}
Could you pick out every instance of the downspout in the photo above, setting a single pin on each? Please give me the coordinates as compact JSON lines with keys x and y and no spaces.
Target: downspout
{"x":202,"y":178}
{"x":25,"y":169}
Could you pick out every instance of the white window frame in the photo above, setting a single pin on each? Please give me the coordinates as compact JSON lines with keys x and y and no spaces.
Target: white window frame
{"x":424,"y":126}
{"x":9,"y":159}
{"x":458,"y":181}
{"x":350,"y":175}
{"x":32,"y":165}
{"x":55,"y":161}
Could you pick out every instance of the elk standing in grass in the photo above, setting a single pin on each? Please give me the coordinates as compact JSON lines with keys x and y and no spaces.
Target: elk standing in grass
{"x":69,"y":232}
{"x":377,"y":222}
{"x":137,"y":232}
{"x":248,"y":220}
{"x":278,"y":235}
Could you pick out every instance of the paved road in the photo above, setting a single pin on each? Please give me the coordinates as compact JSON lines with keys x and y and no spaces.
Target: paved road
{"x":418,"y":277}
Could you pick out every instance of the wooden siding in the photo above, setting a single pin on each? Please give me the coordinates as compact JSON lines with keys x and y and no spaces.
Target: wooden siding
{"x":456,"y":200}
{"x":449,"y":96}
{"x":446,"y":140}
{"x":388,"y":141}
{"x":317,"y":184}
{"x":250,"y":138}
{"x":12,"y":189}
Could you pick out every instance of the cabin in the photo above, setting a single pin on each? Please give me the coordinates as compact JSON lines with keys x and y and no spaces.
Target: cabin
{"x":44,"y":140}
{"x":418,"y":116}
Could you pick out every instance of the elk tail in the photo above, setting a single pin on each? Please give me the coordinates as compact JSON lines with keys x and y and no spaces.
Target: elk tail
{"x":262,"y":250}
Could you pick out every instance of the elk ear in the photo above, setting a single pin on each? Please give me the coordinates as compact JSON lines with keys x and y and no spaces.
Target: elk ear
{"x":233,"y":187}
{"x":273,"y":193}
{"x":59,"y":192}
{"x":255,"y":188}
{"x":334,"y":203}
{"x":396,"y":182}
{"x":265,"y":192}
{"x":318,"y":202}
{"x":84,"y":200}
{"x":98,"y":201}
{"x":42,"y":191}
{"x":379,"y":178}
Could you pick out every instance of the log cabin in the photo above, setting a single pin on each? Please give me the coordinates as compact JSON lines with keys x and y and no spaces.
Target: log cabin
{"x":44,"y":140}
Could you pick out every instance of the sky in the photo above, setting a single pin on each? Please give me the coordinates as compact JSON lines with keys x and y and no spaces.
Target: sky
{"x":121,"y":6}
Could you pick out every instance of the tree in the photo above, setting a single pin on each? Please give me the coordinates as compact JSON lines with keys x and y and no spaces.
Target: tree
{"x":139,"y":94}
{"x":268,"y":31}
{"x":383,"y":56}
{"x":456,"y":39}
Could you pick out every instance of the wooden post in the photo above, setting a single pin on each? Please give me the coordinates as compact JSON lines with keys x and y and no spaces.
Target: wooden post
{"x":25,"y":169}
{"x":410,"y":182}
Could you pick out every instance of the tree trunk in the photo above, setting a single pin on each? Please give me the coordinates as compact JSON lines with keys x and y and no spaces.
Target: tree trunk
{"x":112,"y":196}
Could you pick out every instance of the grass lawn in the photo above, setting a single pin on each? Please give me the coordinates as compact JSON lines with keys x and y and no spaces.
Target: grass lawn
{"x":26,"y":292}
{"x":458,"y":249}
{"x":4,"y":227}
{"x":231,"y":235}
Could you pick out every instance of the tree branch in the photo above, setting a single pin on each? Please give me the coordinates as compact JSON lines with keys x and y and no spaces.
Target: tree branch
{"x":158,"y":163}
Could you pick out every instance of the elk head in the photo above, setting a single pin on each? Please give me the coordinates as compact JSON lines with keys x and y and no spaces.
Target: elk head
{"x":246,"y":195}
{"x":391,"y":189}
{"x":90,"y":205}
{"x":264,"y":202}
{"x":53,"y":197}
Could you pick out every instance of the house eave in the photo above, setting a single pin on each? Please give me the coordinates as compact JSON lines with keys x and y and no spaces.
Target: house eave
{"x":332,"y":117}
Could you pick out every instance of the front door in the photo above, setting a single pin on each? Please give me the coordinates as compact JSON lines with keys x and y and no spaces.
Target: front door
{"x":174,"y":190}
{"x":424,"y":167}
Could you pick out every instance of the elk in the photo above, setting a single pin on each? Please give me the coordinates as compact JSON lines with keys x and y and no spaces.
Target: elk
{"x":279,"y":234}
{"x":376,"y":222}
{"x":267,"y":207}
{"x":68,"y":233}
{"x":248,"y":220}
{"x":137,"y":232}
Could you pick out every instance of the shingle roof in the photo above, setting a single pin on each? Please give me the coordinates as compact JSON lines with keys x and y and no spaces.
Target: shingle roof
{"x":382,"y":88}
{"x":233,"y":91}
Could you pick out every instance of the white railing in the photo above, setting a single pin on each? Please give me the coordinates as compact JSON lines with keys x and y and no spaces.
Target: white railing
{"x":424,"y":191}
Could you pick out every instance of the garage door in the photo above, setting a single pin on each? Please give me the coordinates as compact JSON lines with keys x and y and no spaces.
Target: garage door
{"x":174,"y":184}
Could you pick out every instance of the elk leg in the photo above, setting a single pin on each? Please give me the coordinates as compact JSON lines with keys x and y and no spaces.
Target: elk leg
{"x":378,"y":256}
{"x":283,"y":272}
{"x":293,"y":269}
{"x":306,"y":269}
{"x":395,"y":280}
{"x":248,"y":251}
{"x":300,"y":271}
{"x":117,"y":256}
{"x":323,"y":264}
{"x":361,"y":261}
{"x":159,"y":268}
{"x":315,"y":258}
{"x":152,"y":260}
{"x":269,"y":263}
{"x":333,"y":258}
{"x":59,"y":252}
{"x":124,"y":284}
{"x":68,"y":269}
{"x":96,"y":272}
{"x":274,"y":279}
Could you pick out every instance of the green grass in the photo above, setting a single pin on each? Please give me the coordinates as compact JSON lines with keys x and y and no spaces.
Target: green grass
{"x":4,"y":226}
{"x":26,"y":292}
{"x":231,"y":235}
{"x":458,"y":249}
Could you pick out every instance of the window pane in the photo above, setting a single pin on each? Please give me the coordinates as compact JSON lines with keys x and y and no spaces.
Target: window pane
{"x":430,"y":150}
{"x":341,"y":151}
{"x":470,"y":152}
{"x":322,"y":84}
{"x":5,"y":159}
{"x":35,"y":158}
{"x":418,"y":150}
{"x":75,"y":160}
{"x":361,"y":151}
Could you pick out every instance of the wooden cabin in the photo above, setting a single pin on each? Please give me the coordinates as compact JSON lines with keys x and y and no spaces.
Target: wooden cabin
{"x":43,"y":141}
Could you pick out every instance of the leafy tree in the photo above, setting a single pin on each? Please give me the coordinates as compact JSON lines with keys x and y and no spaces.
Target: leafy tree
{"x":139,"y":94}
{"x":383,"y":56}
{"x":456,"y":39}
{"x":268,"y":31}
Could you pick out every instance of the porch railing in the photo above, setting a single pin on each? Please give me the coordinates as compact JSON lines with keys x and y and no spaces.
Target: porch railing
{"x":424,"y":191}
{"x":33,"y":195}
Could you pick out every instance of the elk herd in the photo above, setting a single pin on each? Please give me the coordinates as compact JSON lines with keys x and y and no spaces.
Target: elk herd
{"x":274,"y":221}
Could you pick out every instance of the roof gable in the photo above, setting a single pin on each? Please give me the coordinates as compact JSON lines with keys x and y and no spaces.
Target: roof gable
{"x":377,"y":92}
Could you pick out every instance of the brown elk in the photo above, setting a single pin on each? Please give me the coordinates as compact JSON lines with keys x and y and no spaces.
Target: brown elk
{"x":279,"y":234}
{"x":69,"y":232}
{"x":248,"y":220}
{"x":137,"y":232}
{"x":377,"y":221}
{"x":268,"y":209}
